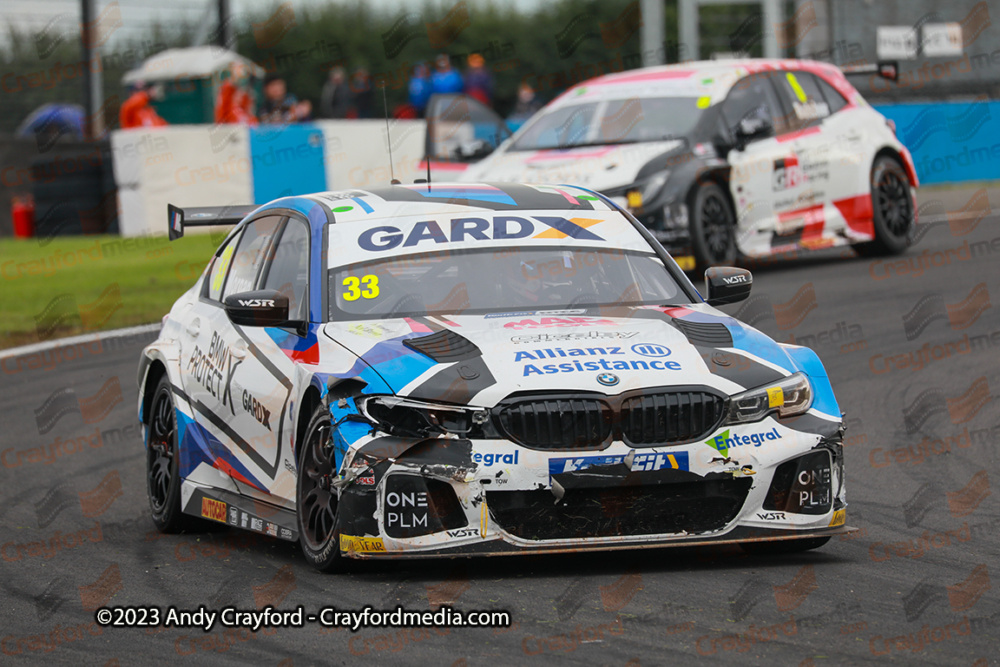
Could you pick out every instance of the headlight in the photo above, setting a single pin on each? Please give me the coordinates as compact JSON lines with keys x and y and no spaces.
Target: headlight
{"x":407,"y":418}
{"x":645,"y":190}
{"x":788,"y":397}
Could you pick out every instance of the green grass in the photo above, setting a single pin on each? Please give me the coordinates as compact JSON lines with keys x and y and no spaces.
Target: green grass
{"x":52,"y":288}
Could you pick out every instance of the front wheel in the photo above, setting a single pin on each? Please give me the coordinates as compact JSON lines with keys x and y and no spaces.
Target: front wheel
{"x":713,"y":227}
{"x":316,"y":499}
{"x":893,"y":216}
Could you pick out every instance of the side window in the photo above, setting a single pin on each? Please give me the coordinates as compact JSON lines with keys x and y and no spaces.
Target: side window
{"x":833,"y":98}
{"x":753,"y":97}
{"x":220,"y":265}
{"x":288,"y":271}
{"x":803,"y":97}
{"x":250,"y":255}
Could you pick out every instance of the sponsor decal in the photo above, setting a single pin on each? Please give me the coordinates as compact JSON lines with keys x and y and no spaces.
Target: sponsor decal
{"x":556,"y":352}
{"x":489,"y":459}
{"x":469,"y":229}
{"x":646,"y":462}
{"x":256,"y":524}
{"x":406,"y":509}
{"x":787,"y":174}
{"x":573,"y":337}
{"x":271,"y":529}
{"x":211,"y":368}
{"x":525,"y":313}
{"x":257,"y":409}
{"x":734,"y":280}
{"x":244,"y":518}
{"x":233,"y":516}
{"x":361,"y":545}
{"x":601,"y":365}
{"x":213,"y":509}
{"x":722,"y":442}
{"x":366,"y":481}
{"x":547,"y":322}
{"x":651,"y":350}
{"x":463,"y":532}
{"x":771,"y":516}
{"x":285,"y":534}
{"x":257,"y":303}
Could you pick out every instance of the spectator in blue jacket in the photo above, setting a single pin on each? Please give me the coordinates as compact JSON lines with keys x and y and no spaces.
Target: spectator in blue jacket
{"x":420,"y":87}
{"x":445,"y":79}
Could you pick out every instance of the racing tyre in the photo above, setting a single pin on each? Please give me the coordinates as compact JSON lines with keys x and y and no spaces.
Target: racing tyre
{"x":713,"y":227}
{"x":784,"y":546}
{"x":892,"y":210}
{"x":316,"y":499}
{"x":163,"y":480}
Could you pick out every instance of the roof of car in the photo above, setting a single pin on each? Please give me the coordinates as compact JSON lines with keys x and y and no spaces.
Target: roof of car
{"x":708,"y":80}
{"x":451,"y":198}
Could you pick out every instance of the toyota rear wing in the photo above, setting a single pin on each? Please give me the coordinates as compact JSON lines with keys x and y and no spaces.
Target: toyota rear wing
{"x":204,"y":216}
{"x":887,"y":69}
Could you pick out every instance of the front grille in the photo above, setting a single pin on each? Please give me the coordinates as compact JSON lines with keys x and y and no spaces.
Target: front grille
{"x":653,"y":419}
{"x":692,"y":507}
{"x":644,"y":418}
{"x":557,"y":423}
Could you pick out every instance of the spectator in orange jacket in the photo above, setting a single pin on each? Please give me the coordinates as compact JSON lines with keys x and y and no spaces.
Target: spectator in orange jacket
{"x":137,"y":111}
{"x":234,"y":103}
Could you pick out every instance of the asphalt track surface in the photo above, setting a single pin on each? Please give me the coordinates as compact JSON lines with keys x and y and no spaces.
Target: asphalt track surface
{"x":915,"y":585}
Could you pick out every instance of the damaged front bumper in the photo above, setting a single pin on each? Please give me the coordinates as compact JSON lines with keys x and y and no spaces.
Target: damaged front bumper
{"x":452,"y":497}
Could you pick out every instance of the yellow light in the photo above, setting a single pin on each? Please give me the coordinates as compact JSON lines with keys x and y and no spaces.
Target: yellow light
{"x":839,"y":518}
{"x":775,"y":397}
{"x":634,"y":199}
{"x":686,"y":262}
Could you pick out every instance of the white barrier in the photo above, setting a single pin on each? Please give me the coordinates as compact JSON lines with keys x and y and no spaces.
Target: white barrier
{"x":211,"y":165}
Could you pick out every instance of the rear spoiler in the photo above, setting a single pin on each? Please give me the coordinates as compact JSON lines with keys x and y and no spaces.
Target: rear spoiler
{"x":204,"y":216}
{"x":887,"y":69}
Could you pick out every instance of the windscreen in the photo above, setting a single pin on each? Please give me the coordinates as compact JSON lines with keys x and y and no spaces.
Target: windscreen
{"x":623,"y":121}
{"x":499,"y":279}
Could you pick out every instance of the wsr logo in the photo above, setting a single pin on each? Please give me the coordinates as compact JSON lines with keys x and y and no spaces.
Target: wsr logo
{"x":500,"y":228}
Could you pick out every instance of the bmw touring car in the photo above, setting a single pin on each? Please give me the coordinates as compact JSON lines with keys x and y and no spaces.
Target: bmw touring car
{"x":721,"y":160}
{"x":458,"y":369}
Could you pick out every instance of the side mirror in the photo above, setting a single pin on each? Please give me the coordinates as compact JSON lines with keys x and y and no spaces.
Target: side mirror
{"x":726,"y":284}
{"x":754,"y":127}
{"x":260,"y":308}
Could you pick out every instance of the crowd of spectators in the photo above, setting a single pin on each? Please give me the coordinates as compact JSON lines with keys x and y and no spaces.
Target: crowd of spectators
{"x":342,"y":96}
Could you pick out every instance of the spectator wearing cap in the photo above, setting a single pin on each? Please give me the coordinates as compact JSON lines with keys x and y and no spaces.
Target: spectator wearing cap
{"x":420,"y":87}
{"x":335,"y":98}
{"x":478,"y":80}
{"x":445,"y":79}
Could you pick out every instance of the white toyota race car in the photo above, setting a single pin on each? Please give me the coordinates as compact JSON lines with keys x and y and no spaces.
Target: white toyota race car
{"x":720,"y":159}
{"x":445,"y":370}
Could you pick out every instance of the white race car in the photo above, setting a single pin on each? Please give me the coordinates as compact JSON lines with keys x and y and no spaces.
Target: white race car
{"x":720,"y":159}
{"x":428,"y":370}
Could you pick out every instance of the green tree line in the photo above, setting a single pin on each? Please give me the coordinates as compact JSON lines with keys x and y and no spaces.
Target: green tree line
{"x":551,"y":48}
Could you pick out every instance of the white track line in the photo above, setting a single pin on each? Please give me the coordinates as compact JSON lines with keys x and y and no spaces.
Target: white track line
{"x":75,"y":340}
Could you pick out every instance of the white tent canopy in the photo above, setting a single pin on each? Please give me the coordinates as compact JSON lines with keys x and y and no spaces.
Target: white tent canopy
{"x":196,"y":62}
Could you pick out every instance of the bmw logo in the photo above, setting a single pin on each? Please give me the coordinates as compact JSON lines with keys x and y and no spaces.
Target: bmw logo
{"x":608,"y":379}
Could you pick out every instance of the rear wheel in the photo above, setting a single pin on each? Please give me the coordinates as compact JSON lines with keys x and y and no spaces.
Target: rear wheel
{"x":713,"y":227}
{"x":892,"y":210}
{"x":163,"y":481}
{"x":316,"y":499}
{"x":784,"y":546}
